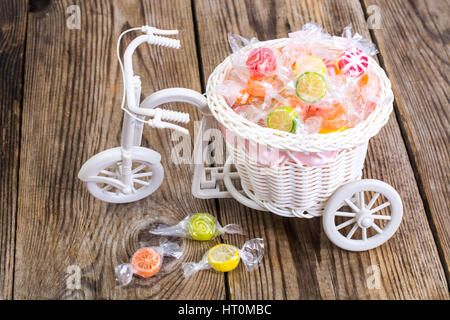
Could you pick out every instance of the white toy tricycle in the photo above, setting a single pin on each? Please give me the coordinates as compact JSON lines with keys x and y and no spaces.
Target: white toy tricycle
{"x":289,"y":188}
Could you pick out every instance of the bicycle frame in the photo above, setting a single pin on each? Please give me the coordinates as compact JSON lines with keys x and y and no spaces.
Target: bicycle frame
{"x":133,"y":123}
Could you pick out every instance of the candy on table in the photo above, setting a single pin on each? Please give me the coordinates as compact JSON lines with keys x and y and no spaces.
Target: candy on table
{"x":352,"y":62}
{"x":261,"y":62}
{"x":146,"y":262}
{"x":225,"y":257}
{"x":200,"y":226}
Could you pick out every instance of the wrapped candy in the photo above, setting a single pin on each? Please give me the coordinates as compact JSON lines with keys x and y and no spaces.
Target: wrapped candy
{"x":146,"y":262}
{"x":237,"y":42}
{"x":358,"y":41}
{"x":225,"y":257}
{"x":261,"y":62}
{"x":313,"y":84}
{"x":201,"y":227}
{"x":352,"y":62}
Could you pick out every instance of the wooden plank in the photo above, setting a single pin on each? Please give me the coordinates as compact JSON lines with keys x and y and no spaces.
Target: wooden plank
{"x":415,"y":52}
{"x":73,"y":91}
{"x":13,"y":17}
{"x":300,"y":262}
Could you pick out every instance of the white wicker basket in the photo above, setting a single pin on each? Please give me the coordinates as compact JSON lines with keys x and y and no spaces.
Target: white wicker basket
{"x":291,"y":188}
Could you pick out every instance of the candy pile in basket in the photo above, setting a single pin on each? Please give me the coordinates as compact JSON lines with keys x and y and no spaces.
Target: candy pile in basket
{"x":315,"y":84}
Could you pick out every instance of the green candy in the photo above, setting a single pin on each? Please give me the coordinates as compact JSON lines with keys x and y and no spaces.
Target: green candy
{"x":202,"y":226}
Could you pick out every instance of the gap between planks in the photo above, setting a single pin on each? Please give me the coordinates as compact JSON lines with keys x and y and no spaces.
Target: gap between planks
{"x":203,"y":87}
{"x":19,"y":147}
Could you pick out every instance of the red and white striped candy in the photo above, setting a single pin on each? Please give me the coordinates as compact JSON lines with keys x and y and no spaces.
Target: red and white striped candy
{"x":261,"y":61}
{"x":352,"y":62}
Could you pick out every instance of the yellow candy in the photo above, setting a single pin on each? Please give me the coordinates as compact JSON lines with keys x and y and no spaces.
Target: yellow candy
{"x":311,"y":64}
{"x":223,"y":257}
{"x":202,"y":227}
{"x":324,"y":131}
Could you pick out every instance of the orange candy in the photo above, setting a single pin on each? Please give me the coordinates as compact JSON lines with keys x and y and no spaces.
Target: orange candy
{"x":363,"y":80}
{"x":256,"y":88}
{"x":146,"y":262}
{"x":324,"y":131}
{"x":243,"y":97}
{"x":333,"y":119}
{"x":336,"y":120}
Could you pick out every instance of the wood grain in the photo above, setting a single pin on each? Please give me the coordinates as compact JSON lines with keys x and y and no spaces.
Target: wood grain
{"x":72,"y":95}
{"x":13,"y":17}
{"x":300,"y":262}
{"x":415,"y":52}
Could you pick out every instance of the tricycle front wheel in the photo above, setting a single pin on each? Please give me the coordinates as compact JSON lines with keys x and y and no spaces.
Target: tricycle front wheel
{"x":102,"y":175}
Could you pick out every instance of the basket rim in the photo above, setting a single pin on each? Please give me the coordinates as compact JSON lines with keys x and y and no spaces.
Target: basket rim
{"x":286,"y":141}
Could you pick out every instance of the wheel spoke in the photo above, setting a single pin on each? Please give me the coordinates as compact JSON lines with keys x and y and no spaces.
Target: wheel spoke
{"x":109,"y":173}
{"x":380,"y":207}
{"x":372,"y":201}
{"x":377,"y":216}
{"x":107,"y":188}
{"x":345,"y":214}
{"x":351,"y":205}
{"x":377,"y":228}
{"x":345,"y":224}
{"x":144,"y":174}
{"x":118,"y":169}
{"x":142,"y":166}
{"x":352,"y":232}
{"x":364,"y":233}
{"x":361,"y":199}
{"x":144,"y":183}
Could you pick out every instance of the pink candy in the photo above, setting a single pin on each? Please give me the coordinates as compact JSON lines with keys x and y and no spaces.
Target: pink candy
{"x":261,"y":61}
{"x":353,"y":62}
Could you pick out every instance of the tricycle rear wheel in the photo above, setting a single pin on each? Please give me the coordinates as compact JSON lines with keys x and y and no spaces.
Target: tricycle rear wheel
{"x":352,"y":224}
